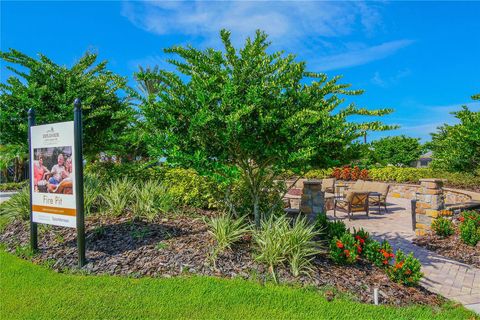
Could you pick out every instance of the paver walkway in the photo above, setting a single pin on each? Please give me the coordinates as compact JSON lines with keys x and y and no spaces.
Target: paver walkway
{"x":5,"y":195}
{"x":452,"y":279}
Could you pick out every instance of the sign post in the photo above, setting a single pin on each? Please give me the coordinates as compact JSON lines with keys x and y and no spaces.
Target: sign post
{"x":77,"y":124}
{"x":56,"y":177}
{"x":33,"y":225}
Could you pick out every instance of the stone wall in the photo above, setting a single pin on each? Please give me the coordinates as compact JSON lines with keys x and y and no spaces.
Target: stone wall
{"x":313,"y":199}
{"x":397,"y":190}
{"x":406,"y":191}
{"x":430,"y":204}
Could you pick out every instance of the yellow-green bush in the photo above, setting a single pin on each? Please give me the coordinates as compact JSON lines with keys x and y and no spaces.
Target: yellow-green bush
{"x":190,"y":188}
{"x":410,"y":175}
{"x":319,"y":174}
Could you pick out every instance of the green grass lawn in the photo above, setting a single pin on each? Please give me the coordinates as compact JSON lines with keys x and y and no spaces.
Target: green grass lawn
{"x":30,"y":291}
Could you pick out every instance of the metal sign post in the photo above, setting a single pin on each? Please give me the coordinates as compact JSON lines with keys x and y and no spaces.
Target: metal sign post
{"x":33,"y":225}
{"x":77,"y":125}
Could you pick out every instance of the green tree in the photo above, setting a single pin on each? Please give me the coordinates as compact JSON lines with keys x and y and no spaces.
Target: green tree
{"x":457,"y":147}
{"x":395,"y":150}
{"x":51,"y":89}
{"x":251,"y":112}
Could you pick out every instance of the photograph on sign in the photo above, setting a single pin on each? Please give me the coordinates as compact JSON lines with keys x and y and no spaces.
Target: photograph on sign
{"x":52,"y":153}
{"x":53,"y":170}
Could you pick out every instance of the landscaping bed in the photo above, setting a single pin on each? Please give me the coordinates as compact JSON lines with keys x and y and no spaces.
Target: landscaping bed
{"x":166,"y":248}
{"x":451,"y":247}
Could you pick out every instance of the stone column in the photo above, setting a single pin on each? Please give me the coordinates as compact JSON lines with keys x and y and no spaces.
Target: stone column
{"x":430,"y":204}
{"x":313,"y":199}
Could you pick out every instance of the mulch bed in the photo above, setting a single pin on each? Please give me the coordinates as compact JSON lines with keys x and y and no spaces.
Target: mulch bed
{"x":451,"y":247}
{"x":181,"y":246}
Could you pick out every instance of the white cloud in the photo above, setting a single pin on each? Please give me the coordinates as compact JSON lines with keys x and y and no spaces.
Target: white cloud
{"x":388,"y":81}
{"x":419,"y":125}
{"x":360,"y":56}
{"x":315,"y":30}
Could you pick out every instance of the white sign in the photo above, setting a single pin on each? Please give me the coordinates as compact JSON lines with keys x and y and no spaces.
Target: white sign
{"x":53,"y":174}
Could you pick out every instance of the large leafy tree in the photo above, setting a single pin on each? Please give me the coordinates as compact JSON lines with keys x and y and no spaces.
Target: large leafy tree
{"x":396,"y":150}
{"x":252,"y":112}
{"x":50,"y":89}
{"x":457,"y":147}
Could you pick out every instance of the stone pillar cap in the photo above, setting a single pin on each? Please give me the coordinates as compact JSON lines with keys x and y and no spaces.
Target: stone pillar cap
{"x":432,"y":180}
{"x":313,"y":181}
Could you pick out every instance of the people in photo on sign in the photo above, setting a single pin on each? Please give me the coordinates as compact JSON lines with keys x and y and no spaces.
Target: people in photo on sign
{"x":68,"y":168}
{"x":58,"y":173}
{"x":39,"y":173}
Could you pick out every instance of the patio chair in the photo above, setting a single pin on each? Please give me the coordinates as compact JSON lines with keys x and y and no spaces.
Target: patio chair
{"x":380,"y":188}
{"x":355,"y":201}
{"x":328,"y":185}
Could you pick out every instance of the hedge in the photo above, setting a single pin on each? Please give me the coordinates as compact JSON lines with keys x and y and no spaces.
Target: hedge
{"x":410,"y":175}
{"x":12,"y":186}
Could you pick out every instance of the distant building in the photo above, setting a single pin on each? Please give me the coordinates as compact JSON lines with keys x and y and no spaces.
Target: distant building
{"x":423,"y":161}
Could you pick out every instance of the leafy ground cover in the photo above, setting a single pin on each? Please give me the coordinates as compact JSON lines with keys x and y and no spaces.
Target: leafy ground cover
{"x":460,"y":243}
{"x":175,"y":247}
{"x":30,"y":291}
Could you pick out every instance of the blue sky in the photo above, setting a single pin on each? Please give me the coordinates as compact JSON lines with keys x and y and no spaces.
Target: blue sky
{"x":420,"y":58}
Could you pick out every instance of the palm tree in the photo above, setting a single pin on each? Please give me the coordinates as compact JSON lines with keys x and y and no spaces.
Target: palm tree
{"x":148,"y":81}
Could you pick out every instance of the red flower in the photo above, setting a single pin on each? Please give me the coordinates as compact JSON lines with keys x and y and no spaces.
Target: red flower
{"x":385,"y":254}
{"x":339,"y":244}
{"x":461,"y":219}
{"x":385,"y":261}
{"x":392,"y":255}
{"x":359,"y":248}
{"x":399,"y":265}
{"x":347,"y":252}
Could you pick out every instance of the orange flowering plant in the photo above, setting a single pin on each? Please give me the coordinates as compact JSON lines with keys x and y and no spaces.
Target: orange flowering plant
{"x":406,"y":269}
{"x":380,"y":254}
{"x":344,"y":250}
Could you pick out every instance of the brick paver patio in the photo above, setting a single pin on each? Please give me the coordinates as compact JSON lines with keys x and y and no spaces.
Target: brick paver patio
{"x":452,"y":279}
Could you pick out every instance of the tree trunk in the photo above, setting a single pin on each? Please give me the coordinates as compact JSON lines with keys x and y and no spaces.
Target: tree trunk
{"x":256,"y":209}
{"x":15,"y":166}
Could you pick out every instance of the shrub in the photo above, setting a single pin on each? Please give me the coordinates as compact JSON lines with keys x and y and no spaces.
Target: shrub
{"x":355,"y":173}
{"x":278,"y":242}
{"x":413,"y":175}
{"x":300,"y":246}
{"x":319,"y":174}
{"x":471,"y":215}
{"x":349,"y":173}
{"x":117,"y":195}
{"x":321,"y":225}
{"x":336,"y":229}
{"x":226,"y":231}
{"x":190,"y":188}
{"x":91,"y":192}
{"x":271,"y":244}
{"x":11,"y":186}
{"x":361,"y":236}
{"x":345,"y":173}
{"x":144,"y":202}
{"x":380,"y":254}
{"x":443,"y":227}
{"x":238,"y":199}
{"x":344,"y":250}
{"x":364,"y":174}
{"x":406,"y":269}
{"x":337,"y":173}
{"x":137,"y":171}
{"x":18,"y":206}
{"x":470,"y":232}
